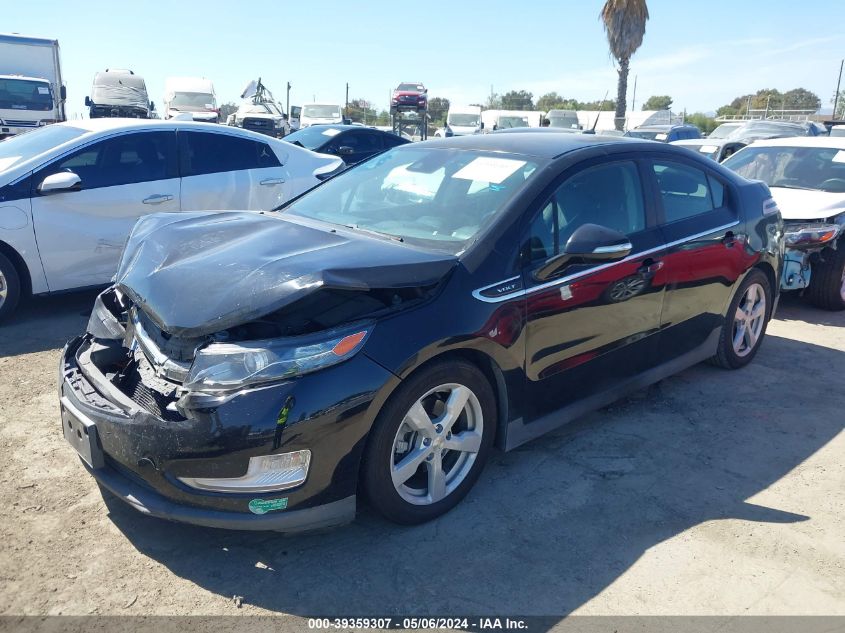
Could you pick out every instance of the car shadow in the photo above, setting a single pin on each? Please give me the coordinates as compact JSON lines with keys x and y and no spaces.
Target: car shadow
{"x":794,"y":307}
{"x":44,"y":323}
{"x":548,"y":526}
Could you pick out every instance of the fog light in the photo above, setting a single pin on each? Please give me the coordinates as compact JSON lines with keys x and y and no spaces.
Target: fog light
{"x":266,"y":473}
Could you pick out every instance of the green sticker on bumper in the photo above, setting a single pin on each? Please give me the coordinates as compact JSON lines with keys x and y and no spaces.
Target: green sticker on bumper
{"x":263,"y":506}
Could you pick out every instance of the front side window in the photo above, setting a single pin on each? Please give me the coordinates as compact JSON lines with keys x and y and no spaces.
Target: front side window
{"x":209,"y":153}
{"x":609,"y":195}
{"x":439,"y":198}
{"x":686,"y":191}
{"x":122,"y":160}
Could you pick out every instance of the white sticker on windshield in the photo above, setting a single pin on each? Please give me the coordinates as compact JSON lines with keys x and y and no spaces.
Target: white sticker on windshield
{"x":661,"y":137}
{"x":43,"y":90}
{"x":331,"y":132}
{"x":9,"y":160}
{"x":492,"y":170}
{"x":839,"y":157}
{"x":708,"y":149}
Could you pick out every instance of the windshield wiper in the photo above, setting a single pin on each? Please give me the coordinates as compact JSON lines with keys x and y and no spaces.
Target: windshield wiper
{"x":391,"y":236}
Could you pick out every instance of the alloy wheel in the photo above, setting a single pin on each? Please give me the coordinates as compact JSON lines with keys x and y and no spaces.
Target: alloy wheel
{"x":749,"y":320}
{"x":842,"y":284}
{"x":4,"y":289}
{"x":436,"y":444}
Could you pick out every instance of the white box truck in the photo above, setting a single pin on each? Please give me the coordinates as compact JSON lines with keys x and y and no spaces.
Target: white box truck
{"x":193,"y":96}
{"x":507,"y":119}
{"x":31,"y":90}
{"x":462,"y":121}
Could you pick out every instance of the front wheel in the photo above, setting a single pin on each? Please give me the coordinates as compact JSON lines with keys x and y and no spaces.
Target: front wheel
{"x":430,"y":442}
{"x":746,"y":321}
{"x":10,"y":287}
{"x":827,"y":281}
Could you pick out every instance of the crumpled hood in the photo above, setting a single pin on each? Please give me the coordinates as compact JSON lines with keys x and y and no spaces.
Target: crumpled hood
{"x":803,"y":204}
{"x":198,"y":273}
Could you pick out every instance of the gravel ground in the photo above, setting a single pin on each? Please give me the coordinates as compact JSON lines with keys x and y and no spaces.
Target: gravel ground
{"x":713,"y":492}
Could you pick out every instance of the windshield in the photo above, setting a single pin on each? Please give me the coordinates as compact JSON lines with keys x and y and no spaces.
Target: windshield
{"x":464,"y":120}
{"x":23,"y":94}
{"x":25,"y":146}
{"x":820,"y":168}
{"x":507,"y":122}
{"x":570,"y":122}
{"x":411,"y":87}
{"x":649,"y":135}
{"x":724,"y":130}
{"x":437,"y":198}
{"x":321,"y":111}
{"x":192,"y":101}
{"x":312,"y":137}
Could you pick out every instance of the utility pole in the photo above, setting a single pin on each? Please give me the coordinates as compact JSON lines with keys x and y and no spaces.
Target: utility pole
{"x":287,"y":101}
{"x":347,"y":98}
{"x":634,"y":97}
{"x":838,"y":83}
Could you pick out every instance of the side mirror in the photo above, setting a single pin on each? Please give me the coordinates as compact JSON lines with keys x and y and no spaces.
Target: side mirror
{"x":63,"y":92}
{"x":482,"y":126}
{"x":87,"y":101}
{"x":61,"y":182}
{"x":152,"y":106}
{"x":589,"y":242}
{"x":345,"y":150}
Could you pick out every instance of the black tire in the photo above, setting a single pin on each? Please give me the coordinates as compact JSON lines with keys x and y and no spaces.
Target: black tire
{"x":10,"y":281}
{"x":826,"y":280}
{"x":726,"y":356}
{"x":376,"y":478}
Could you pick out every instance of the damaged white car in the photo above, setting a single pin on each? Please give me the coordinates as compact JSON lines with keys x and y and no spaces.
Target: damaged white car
{"x":807,"y":180}
{"x":71,"y":192}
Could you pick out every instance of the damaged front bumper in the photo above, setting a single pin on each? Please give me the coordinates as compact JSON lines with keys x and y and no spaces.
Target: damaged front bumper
{"x":143,"y":450}
{"x":805,"y":243}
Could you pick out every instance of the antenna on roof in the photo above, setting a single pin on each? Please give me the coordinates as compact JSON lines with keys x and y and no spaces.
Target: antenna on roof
{"x":601,"y":109}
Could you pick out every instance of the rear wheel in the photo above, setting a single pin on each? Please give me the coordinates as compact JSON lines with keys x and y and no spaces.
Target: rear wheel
{"x":746,"y":321}
{"x":430,"y":442}
{"x":10,"y":287}
{"x":827,"y":281}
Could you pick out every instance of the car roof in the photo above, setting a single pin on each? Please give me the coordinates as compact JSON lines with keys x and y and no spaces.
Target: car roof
{"x":661,"y":127}
{"x":541,"y":145}
{"x":834,"y":142}
{"x":109,"y":124}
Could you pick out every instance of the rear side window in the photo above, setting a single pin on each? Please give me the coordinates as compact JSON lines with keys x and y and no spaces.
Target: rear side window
{"x":209,"y":153}
{"x":122,"y":160}
{"x":687,"y":191}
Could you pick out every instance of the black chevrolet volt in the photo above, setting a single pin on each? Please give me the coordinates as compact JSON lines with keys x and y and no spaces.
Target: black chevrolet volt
{"x":379,"y":335}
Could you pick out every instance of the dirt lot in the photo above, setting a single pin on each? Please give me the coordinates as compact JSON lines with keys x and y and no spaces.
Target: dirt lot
{"x":712,"y":493}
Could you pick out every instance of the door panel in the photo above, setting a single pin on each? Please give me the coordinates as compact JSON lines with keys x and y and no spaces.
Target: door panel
{"x":81,"y":234}
{"x":707,"y":253}
{"x":597,"y":323}
{"x":227,"y":172}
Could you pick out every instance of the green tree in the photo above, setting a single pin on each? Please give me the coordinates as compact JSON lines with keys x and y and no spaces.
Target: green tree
{"x":624,"y":22}
{"x":383,"y":118}
{"x":801,"y":99}
{"x":438,"y":107}
{"x":658,"y":102}
{"x":550,"y":101}
{"x":361,"y":111}
{"x":494,"y":102}
{"x":518,"y":100}
{"x":226,"y":109}
{"x":840,"y":106}
{"x":606,"y":105}
{"x":703,"y":122}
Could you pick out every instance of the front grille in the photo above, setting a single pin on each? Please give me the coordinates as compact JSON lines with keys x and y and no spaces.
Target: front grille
{"x":15,"y":123}
{"x":265,"y":126}
{"x":147,"y":398}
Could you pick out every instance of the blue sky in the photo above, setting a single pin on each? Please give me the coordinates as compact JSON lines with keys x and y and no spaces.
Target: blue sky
{"x":702,"y":54}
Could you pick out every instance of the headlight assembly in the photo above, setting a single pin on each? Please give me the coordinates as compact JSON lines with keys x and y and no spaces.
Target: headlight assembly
{"x":803,"y":236}
{"x":229,"y":366}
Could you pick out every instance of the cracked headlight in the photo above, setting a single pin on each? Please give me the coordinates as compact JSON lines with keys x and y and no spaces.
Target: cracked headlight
{"x":229,"y":366}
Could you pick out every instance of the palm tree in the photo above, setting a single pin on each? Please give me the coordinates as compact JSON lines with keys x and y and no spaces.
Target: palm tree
{"x":624,"y":22}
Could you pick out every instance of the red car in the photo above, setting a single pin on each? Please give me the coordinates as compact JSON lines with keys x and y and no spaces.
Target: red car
{"x":409,"y":96}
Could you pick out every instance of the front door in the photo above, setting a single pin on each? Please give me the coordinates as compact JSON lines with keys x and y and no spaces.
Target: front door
{"x":81,"y":234}
{"x":596,"y":324}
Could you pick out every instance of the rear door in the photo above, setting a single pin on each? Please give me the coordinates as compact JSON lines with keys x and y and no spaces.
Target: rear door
{"x":706,"y":252}
{"x":228,"y":172}
{"x":81,"y":234}
{"x":596,"y":324}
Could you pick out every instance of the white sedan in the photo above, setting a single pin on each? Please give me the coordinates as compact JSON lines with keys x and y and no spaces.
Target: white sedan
{"x":807,"y":178}
{"x":71,"y":192}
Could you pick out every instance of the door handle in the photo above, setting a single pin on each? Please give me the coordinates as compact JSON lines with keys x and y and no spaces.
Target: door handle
{"x":157,"y":199}
{"x":729,"y":240}
{"x":272,"y":181}
{"x":649,"y":268}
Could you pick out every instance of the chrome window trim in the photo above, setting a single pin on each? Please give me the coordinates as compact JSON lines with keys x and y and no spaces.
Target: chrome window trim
{"x":563,"y":280}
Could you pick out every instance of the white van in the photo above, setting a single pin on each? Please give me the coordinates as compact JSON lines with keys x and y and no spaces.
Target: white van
{"x":506,"y":119}
{"x":191,"y":95}
{"x":31,"y":89}
{"x":462,"y":121}
{"x":320,"y":114}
